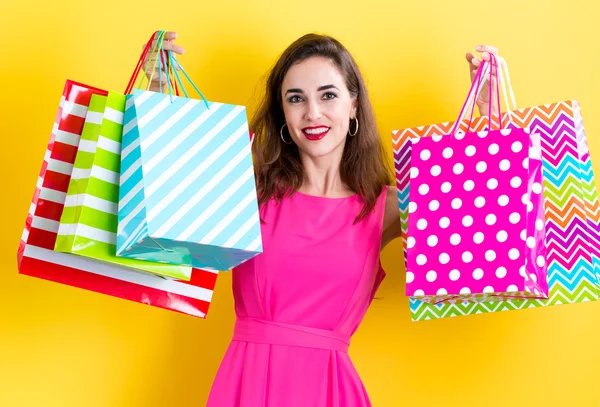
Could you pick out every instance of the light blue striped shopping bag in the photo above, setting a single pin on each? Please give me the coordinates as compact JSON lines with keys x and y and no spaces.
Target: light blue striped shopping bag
{"x":187,"y":190}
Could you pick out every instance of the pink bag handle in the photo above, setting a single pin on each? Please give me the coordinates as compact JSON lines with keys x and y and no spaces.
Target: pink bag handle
{"x":474,"y":87}
{"x":474,"y":92}
{"x":507,"y":90}
{"x":497,"y":74}
{"x":493,"y":70}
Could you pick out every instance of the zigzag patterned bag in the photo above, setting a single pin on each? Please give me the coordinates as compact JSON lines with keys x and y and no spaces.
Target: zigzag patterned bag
{"x":571,"y":204}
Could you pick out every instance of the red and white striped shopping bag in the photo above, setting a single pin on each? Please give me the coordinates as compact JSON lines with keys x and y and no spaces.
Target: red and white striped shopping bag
{"x":36,"y":256}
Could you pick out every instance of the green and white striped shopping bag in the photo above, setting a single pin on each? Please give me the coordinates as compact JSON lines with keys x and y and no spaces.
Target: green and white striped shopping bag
{"x":88,"y":225}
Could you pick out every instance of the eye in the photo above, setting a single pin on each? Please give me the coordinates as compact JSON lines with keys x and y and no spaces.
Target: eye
{"x":295,"y":99}
{"x":329,"y":95}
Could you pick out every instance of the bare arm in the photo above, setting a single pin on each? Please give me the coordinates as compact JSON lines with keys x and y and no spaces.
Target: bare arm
{"x":391,"y":218}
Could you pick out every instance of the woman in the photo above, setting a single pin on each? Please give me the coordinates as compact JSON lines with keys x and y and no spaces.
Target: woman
{"x":327,"y":212}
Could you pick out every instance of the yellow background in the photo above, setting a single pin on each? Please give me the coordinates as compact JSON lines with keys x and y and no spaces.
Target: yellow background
{"x":61,"y":346}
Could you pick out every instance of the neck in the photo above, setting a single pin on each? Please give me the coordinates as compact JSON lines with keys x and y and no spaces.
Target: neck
{"x":322,"y":175}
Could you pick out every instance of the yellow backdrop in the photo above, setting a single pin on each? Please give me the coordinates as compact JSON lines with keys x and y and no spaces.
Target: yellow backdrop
{"x":61,"y":346}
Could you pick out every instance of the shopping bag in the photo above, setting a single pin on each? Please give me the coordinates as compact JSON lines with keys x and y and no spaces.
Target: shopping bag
{"x":36,"y":257}
{"x":571,"y":204}
{"x":56,"y":170}
{"x":187,"y":188}
{"x":88,"y":226}
{"x":476,"y":219}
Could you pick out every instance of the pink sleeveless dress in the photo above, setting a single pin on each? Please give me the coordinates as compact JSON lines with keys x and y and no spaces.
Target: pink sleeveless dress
{"x":298,"y":304}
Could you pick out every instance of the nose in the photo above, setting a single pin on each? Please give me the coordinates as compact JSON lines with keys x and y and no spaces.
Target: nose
{"x":313,"y":111}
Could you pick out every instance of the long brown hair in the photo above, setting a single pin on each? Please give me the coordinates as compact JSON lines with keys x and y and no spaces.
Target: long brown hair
{"x":278,"y":169}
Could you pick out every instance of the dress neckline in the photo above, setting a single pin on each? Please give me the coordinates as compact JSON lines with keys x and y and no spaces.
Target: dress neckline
{"x":317,"y":197}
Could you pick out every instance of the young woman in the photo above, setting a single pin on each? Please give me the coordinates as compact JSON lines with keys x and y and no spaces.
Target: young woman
{"x":327,"y":211}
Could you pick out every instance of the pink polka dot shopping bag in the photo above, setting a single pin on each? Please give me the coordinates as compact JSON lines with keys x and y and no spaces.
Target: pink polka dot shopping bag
{"x":476,"y":224}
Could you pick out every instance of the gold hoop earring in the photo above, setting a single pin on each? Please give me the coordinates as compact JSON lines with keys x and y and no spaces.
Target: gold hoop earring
{"x":281,"y":134}
{"x":355,"y":131}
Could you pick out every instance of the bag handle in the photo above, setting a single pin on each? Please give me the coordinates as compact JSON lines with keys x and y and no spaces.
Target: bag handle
{"x":172,"y":72}
{"x":493,"y":69}
{"x":474,"y":90}
{"x":139,"y":64}
{"x":479,"y":81}
{"x":171,"y":65}
{"x":507,"y":90}
{"x":161,"y":54}
{"x":503,"y":79}
{"x":509,"y":96}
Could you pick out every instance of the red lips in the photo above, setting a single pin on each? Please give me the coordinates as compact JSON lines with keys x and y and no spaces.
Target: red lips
{"x":315,"y":133}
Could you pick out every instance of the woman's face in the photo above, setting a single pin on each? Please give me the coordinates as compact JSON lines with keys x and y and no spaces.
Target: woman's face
{"x":317,"y":107}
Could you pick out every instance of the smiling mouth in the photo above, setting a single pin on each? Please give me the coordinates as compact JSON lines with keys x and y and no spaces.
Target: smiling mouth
{"x":315,"y":133}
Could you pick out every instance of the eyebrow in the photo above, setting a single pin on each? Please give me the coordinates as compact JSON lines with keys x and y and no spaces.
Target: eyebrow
{"x":321,"y":88}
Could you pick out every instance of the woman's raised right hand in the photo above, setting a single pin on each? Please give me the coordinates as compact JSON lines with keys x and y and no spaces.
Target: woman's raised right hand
{"x":151,"y":68}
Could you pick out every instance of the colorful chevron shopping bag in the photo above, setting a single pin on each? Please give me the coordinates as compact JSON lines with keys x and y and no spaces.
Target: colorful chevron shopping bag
{"x":187,"y":191}
{"x":36,"y":256}
{"x":88,"y":225}
{"x":571,"y":206}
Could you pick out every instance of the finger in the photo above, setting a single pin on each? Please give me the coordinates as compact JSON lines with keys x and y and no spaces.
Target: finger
{"x":486,"y":57}
{"x":167,"y":45}
{"x":170,"y":35}
{"x":491,"y":72}
{"x":151,"y":60}
{"x":487,"y":48}
{"x":170,"y":46}
{"x":474,"y":62}
{"x":497,"y":62}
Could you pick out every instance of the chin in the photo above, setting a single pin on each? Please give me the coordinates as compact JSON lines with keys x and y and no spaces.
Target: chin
{"x":320,"y":150}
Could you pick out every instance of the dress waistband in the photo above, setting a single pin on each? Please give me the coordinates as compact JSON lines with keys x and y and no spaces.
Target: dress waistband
{"x":278,"y":333}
